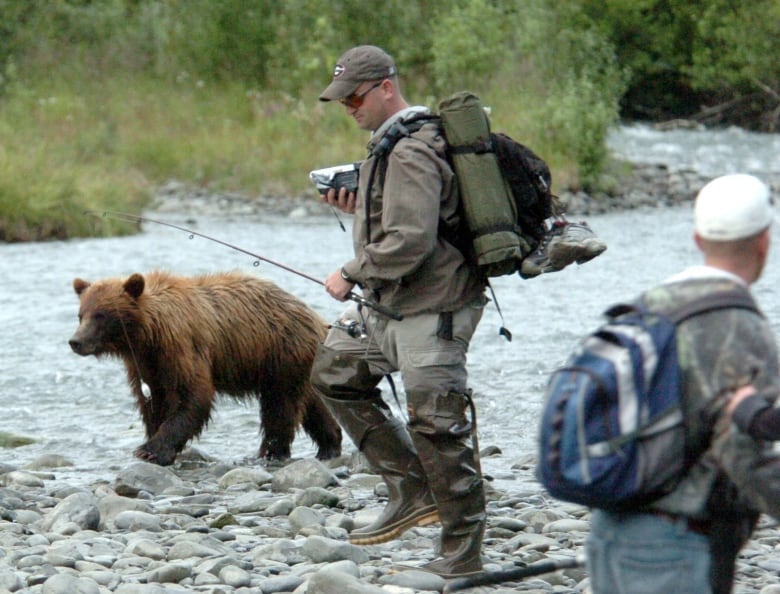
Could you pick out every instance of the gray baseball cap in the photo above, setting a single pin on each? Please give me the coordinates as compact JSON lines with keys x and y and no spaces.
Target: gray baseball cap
{"x":356,"y":66}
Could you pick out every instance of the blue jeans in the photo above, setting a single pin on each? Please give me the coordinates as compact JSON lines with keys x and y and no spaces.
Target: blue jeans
{"x":635,"y":553}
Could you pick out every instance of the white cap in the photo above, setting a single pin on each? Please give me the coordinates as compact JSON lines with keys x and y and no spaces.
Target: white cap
{"x":733,"y":207}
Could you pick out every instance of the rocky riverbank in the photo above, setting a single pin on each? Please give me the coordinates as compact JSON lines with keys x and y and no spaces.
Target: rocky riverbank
{"x":205,"y":526}
{"x":644,"y":186}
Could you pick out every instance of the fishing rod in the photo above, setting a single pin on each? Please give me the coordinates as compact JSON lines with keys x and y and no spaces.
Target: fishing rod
{"x":131,"y":218}
{"x":516,"y":573}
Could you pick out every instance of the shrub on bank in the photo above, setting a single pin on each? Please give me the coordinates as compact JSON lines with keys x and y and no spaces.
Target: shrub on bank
{"x":104,"y":101}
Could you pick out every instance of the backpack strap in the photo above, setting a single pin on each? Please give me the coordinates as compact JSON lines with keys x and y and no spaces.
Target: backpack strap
{"x":400,"y":129}
{"x":737,"y":297}
{"x":477,"y":148}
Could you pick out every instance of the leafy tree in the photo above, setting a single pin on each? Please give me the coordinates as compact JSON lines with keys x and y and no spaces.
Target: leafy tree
{"x":736,"y":44}
{"x":684,"y":53}
{"x":566,"y":75}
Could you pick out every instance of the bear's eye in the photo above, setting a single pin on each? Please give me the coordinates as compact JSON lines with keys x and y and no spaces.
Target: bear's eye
{"x":99,"y":316}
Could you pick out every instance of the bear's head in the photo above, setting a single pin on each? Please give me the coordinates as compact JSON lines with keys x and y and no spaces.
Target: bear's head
{"x":109,"y":316}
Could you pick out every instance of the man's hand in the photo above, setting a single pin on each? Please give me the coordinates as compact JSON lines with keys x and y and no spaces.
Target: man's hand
{"x":739,"y":396}
{"x":343,"y":200}
{"x":336,"y":285}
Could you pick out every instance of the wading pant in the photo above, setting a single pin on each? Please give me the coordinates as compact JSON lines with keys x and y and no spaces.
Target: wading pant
{"x":431,"y":463}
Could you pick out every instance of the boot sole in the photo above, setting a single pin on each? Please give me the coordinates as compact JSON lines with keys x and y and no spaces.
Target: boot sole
{"x":400,"y":567}
{"x":579,"y":252}
{"x":424,"y":517}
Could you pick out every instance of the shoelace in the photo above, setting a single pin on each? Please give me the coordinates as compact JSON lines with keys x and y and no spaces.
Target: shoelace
{"x":556,"y":229}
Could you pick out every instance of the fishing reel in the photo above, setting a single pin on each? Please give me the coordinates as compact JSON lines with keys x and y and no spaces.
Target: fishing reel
{"x":353,"y":328}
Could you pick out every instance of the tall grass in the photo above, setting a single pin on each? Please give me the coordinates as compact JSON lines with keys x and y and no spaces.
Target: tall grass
{"x":102,"y":101}
{"x":82,"y":144}
{"x":72,"y":145}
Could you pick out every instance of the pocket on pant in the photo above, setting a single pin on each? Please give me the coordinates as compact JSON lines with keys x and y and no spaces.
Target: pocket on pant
{"x":435,"y":357}
{"x":465,"y":322}
{"x":651,"y":576}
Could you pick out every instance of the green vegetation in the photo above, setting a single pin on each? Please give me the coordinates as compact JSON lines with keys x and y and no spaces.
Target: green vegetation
{"x":714,"y":61}
{"x":103,"y":100}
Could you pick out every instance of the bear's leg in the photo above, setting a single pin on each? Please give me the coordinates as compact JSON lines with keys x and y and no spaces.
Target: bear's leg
{"x":280,"y":416}
{"x":184,"y":418}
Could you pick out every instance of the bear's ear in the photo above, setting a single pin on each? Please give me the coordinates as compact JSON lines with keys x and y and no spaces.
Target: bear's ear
{"x":134,"y":285}
{"x":80,"y":285}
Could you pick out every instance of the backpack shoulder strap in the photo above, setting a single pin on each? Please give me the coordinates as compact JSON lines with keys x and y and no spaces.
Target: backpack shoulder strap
{"x":398,"y":130}
{"x":401,"y":129}
{"x":731,"y":298}
{"x":736,"y":297}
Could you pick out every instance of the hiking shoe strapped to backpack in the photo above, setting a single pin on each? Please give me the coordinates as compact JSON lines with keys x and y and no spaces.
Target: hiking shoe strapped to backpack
{"x":563,"y":244}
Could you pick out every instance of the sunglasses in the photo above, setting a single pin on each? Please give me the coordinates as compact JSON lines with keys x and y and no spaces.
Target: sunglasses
{"x":356,"y":100}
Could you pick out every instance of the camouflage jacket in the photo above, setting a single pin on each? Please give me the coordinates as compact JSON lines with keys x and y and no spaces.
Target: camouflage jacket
{"x":720,"y":351}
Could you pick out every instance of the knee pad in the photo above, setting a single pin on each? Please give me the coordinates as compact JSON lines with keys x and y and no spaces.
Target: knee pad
{"x":341,"y":375}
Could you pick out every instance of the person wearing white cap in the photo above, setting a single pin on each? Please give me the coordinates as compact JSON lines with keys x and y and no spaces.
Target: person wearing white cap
{"x":429,"y":463}
{"x":687,"y":541}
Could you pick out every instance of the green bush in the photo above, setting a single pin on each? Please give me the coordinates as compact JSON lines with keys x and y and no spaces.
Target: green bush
{"x":101,"y":100}
{"x":736,"y":44}
{"x":683,"y":53}
{"x":552,"y":76}
{"x":469,"y":45}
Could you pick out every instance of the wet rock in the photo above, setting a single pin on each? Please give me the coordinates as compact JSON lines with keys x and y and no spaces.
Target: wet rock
{"x":251,"y":476}
{"x":63,"y":583}
{"x":137,"y":521}
{"x":329,"y":581}
{"x":143,"y":476}
{"x":206,"y":528}
{"x":80,"y":509}
{"x":49,"y":461}
{"x":302,"y":474}
{"x":21,"y":478}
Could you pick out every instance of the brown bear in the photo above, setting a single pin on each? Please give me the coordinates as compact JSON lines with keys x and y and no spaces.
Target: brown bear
{"x":184,"y":339}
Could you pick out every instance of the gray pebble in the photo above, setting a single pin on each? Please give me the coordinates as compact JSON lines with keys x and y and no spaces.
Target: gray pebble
{"x":211,"y":529}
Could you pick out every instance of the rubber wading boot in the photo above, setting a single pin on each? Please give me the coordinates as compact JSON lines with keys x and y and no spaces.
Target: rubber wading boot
{"x":384,"y":441}
{"x":347,"y":386}
{"x":441,"y":434}
{"x":463,"y":528}
{"x":410,"y":501}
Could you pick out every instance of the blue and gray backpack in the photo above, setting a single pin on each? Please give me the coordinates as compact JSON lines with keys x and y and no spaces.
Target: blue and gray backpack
{"x":612,"y":433}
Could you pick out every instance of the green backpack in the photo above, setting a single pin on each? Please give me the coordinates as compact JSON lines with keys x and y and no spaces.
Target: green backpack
{"x":504,"y":186}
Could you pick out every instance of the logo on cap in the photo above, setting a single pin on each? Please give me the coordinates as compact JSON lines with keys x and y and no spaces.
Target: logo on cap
{"x":338,"y":70}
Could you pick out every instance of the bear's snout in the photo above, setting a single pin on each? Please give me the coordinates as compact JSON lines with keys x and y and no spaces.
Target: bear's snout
{"x":75,"y":346}
{"x":79,"y":346}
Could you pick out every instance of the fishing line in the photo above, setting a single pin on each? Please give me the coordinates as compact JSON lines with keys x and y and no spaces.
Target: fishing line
{"x":145,"y":389}
{"x":192,"y":233}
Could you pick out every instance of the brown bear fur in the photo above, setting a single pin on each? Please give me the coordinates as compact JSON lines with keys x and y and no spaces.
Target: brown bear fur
{"x":188,"y":338}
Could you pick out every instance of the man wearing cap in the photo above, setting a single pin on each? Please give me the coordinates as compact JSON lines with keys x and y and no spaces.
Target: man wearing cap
{"x":401,"y":260}
{"x":688,"y":540}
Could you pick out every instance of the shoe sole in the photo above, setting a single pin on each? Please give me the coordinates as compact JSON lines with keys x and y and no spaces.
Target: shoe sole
{"x":401,"y":567}
{"x":578,"y":252}
{"x":424,"y":517}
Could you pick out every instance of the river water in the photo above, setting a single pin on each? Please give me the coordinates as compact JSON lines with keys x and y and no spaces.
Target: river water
{"x":81,"y":408}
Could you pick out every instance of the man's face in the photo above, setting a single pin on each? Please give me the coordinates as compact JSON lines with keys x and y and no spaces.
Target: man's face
{"x":367,"y":105}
